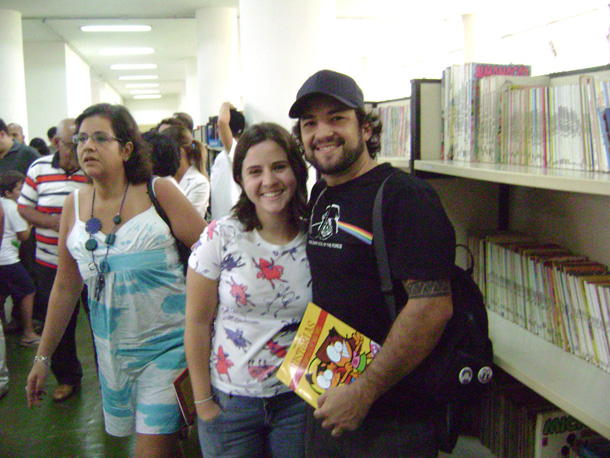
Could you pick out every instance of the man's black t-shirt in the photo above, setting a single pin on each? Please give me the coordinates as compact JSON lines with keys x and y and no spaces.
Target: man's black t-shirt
{"x":419,"y":237}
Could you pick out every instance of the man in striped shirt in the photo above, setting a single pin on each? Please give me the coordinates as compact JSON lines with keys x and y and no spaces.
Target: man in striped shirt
{"x":49,"y":181}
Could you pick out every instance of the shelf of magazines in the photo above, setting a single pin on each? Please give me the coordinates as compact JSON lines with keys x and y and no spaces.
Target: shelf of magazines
{"x":569,"y":382}
{"x":578,"y":181}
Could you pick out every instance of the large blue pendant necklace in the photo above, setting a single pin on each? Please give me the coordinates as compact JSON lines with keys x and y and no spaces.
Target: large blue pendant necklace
{"x":93,"y":226}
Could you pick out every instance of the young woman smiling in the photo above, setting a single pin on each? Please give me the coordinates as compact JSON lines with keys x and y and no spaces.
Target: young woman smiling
{"x":248,"y":285}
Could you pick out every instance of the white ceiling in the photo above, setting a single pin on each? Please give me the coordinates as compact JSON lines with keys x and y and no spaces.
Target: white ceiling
{"x":173,"y":34}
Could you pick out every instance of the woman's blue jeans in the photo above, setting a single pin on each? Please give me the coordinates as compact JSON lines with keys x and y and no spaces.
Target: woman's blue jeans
{"x":255,"y":427}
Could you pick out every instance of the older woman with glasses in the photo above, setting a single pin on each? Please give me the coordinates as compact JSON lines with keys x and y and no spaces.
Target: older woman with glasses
{"x":112,"y":239}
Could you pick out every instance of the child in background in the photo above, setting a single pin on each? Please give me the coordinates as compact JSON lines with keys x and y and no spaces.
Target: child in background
{"x":14,"y":279}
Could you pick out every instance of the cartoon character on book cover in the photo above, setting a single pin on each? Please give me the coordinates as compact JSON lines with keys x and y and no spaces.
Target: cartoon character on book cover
{"x":339,"y":360}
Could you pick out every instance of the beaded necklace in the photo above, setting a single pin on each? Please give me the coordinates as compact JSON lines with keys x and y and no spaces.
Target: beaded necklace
{"x":93,"y":226}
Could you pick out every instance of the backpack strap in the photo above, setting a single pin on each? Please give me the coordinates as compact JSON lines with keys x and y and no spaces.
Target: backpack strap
{"x":381,"y":253}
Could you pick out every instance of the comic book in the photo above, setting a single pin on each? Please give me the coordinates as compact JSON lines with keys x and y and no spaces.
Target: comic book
{"x":325,"y":353}
{"x":184,"y":393}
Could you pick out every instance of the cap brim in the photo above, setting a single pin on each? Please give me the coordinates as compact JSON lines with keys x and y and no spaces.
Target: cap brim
{"x":296,"y":110}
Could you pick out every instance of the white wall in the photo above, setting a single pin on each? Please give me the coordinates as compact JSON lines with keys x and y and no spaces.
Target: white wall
{"x":148,"y":112}
{"x":46,"y":86}
{"x":79,"y":84}
{"x":102,"y":92}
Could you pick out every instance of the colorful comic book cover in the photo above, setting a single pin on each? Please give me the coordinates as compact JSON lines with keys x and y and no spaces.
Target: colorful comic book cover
{"x":325,"y":353}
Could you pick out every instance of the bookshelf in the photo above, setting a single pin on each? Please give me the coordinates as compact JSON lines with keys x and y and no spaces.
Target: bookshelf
{"x":567,"y":207}
{"x":536,"y":177}
{"x":570,"y":383}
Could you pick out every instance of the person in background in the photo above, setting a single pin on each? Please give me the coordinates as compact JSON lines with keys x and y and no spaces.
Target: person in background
{"x":49,"y":181}
{"x":19,"y":157}
{"x":248,"y":284}
{"x":165,"y":155}
{"x":112,"y":238}
{"x":16,"y":131}
{"x":39,"y":145}
{"x":14,"y":279}
{"x":191,"y":175}
{"x":224,"y":191}
{"x":186,"y":119}
{"x":4,"y":374}
{"x":14,"y":155}
{"x":371,"y":416}
{"x":51,"y":136}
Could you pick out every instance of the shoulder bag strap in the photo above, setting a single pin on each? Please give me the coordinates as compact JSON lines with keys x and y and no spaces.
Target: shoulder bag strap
{"x":157,"y":204}
{"x":381,"y":253}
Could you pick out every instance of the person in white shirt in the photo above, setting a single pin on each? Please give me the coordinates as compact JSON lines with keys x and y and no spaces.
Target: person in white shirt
{"x":14,"y":279}
{"x":225,"y":192}
{"x":191,"y":175}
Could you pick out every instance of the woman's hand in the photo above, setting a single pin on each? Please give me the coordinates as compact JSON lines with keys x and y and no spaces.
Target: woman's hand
{"x":35,"y":384}
{"x":208,"y":411}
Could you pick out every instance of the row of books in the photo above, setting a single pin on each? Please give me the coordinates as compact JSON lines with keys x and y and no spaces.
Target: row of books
{"x":396,"y":132}
{"x":561,"y":296}
{"x":460,"y":105}
{"x":516,"y":422}
{"x":515,"y":119}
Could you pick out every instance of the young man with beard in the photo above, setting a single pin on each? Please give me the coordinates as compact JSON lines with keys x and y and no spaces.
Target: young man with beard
{"x":373,"y":416}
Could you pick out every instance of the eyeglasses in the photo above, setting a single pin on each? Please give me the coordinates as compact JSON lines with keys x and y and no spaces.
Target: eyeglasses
{"x":99,"y":138}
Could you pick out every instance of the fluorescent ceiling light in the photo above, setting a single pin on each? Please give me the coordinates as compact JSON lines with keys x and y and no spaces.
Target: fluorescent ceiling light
{"x":135,"y":85}
{"x":144,"y":91}
{"x":133,"y":67}
{"x":138,"y":77}
{"x":116,"y":28}
{"x":149,"y":96}
{"x":125,"y":51}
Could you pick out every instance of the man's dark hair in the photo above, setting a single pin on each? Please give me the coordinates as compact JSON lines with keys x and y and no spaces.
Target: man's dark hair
{"x":51,"y":133}
{"x":373,"y":144}
{"x":138,"y":167}
{"x":165,"y":153}
{"x":237,"y":123}
{"x":40,"y":145}
{"x":10,"y":179}
{"x":244,"y":209}
{"x":3,"y":127}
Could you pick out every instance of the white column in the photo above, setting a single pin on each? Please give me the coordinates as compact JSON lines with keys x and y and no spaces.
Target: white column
{"x":481,"y":41}
{"x":190,"y":99}
{"x":282,"y":44}
{"x":217,"y":59}
{"x":12,"y":73}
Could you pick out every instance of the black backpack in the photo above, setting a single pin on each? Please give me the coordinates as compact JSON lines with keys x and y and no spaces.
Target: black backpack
{"x":459,"y":369}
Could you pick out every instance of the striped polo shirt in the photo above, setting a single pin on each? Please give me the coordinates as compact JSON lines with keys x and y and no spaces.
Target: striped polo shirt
{"x":46,"y":187}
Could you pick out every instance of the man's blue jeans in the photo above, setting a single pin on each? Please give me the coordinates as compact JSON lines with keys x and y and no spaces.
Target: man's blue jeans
{"x":255,"y":427}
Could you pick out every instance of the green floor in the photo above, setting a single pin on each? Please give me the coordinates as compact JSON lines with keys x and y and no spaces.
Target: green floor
{"x":72,"y":429}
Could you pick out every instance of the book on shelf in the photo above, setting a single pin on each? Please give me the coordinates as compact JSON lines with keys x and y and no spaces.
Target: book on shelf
{"x":597,"y":447}
{"x":558,"y":435}
{"x":494,"y":91}
{"x":426,"y":119}
{"x":325,"y":352}
{"x":460,"y":96}
{"x":518,"y":119}
{"x":508,"y":419}
{"x":184,"y":394}
{"x":395,"y":116}
{"x":553,"y":293}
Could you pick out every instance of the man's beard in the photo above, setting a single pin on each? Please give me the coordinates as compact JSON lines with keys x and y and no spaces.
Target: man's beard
{"x":347,"y":159}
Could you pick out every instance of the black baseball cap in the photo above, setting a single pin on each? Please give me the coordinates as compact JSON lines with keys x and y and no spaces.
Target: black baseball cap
{"x":327,"y":82}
